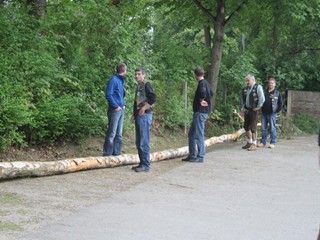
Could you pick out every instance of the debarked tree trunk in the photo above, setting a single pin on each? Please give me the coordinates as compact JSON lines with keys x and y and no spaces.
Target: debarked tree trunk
{"x":11,"y":170}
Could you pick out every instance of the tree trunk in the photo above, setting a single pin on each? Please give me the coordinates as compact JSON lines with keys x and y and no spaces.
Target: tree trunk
{"x":38,"y":8}
{"x":219,"y":22}
{"x":216,"y":51}
{"x":275,"y":35}
{"x":207,"y":36}
{"x":11,"y":170}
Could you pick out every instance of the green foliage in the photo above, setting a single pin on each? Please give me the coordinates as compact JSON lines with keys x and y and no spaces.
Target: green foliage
{"x":64,"y":118}
{"x":53,"y":72}
{"x":224,"y":118}
{"x":307,"y":123}
{"x":170,"y":110}
{"x":13,"y":114}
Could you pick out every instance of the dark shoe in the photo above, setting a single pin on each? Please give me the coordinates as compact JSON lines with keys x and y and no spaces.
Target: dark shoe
{"x":247,"y":146}
{"x":134,"y":167}
{"x":142,"y":169}
{"x":197,"y":160}
{"x":253,"y":147}
{"x":187,"y":159}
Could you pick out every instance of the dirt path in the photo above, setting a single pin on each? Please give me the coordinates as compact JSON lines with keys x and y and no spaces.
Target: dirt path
{"x":278,"y":187}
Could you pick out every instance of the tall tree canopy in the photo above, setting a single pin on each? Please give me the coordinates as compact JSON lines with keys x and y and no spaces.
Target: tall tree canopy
{"x":57,"y":56}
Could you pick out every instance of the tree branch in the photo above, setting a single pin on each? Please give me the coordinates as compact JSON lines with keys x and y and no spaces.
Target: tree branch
{"x":235,"y":11}
{"x":306,"y":49}
{"x":204,"y":10}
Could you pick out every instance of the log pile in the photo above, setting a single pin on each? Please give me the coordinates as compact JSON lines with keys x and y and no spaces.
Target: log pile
{"x":11,"y":170}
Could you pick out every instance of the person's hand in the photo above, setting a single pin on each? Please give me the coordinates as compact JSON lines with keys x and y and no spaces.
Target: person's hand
{"x":118,"y":109}
{"x":241,"y":112}
{"x":255,"y":109}
{"x":132,"y":119}
{"x":142,"y":110}
{"x":203,"y":103}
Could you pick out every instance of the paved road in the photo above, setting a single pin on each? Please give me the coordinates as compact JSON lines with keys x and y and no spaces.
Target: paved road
{"x":235,"y":194}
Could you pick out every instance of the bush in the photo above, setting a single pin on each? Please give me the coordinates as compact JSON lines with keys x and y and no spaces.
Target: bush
{"x":67,"y":118}
{"x":307,"y":123}
{"x":13,"y":114}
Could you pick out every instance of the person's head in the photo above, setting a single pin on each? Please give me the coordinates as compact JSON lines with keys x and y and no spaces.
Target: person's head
{"x":199,"y":73}
{"x":272,"y":83}
{"x":140,"y":74}
{"x":121,"y":69}
{"x":250,"y":80}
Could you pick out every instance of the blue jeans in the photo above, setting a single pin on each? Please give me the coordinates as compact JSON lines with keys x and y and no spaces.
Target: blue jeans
{"x":196,"y":136}
{"x":271,"y":119}
{"x":142,"y":125}
{"x":113,"y":141}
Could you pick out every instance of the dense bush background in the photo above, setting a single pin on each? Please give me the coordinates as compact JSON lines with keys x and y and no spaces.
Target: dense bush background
{"x":54,"y":70}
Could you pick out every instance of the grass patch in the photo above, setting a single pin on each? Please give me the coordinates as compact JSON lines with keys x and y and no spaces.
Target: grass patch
{"x":9,"y":226}
{"x":3,"y":213}
{"x":9,"y":198}
{"x":306,"y":123}
{"x":23,"y":212}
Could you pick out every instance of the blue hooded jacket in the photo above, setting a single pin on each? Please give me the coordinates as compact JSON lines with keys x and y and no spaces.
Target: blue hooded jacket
{"x":115,"y":91}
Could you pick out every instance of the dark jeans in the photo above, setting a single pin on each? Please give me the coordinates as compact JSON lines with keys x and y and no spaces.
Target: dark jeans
{"x":142,"y":125}
{"x":113,"y":141}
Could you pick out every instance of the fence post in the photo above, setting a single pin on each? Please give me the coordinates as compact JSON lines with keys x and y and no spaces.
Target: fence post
{"x":185,"y":93}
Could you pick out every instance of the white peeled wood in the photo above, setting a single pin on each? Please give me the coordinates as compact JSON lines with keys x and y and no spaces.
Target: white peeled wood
{"x":11,"y":170}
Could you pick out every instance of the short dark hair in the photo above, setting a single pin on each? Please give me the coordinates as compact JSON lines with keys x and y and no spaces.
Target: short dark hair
{"x":140,"y":69}
{"x":121,"y":67}
{"x":272,"y":79}
{"x":199,"y":72}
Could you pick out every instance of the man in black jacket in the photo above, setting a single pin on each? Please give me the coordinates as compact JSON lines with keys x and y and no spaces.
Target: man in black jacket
{"x":270,"y":108}
{"x":142,"y":118}
{"x":201,"y":109}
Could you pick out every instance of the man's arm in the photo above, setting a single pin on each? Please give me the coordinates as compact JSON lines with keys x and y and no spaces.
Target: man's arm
{"x":260,"y":96}
{"x":109,"y":93}
{"x":151,"y":98}
{"x":279,"y":102}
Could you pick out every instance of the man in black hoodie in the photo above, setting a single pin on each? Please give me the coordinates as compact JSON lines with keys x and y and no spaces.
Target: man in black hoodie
{"x":201,"y":109}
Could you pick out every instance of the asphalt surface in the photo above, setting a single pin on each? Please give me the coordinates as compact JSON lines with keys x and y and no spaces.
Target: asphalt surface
{"x":235,"y":194}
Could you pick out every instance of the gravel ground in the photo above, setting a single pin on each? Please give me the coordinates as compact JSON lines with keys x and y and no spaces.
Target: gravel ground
{"x":235,"y":194}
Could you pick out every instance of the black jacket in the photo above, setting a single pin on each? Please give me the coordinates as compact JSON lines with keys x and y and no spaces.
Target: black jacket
{"x":151,"y":98}
{"x":273,"y":102}
{"x":203,"y":92}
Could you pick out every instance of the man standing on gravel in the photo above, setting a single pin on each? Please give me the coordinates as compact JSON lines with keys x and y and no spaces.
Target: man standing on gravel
{"x":270,"y":108}
{"x":253,"y":99}
{"x":115,"y":96}
{"x":201,"y":109}
{"x":142,"y":118}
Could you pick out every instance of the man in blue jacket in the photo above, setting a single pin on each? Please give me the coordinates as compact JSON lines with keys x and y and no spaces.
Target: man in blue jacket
{"x":115,"y":96}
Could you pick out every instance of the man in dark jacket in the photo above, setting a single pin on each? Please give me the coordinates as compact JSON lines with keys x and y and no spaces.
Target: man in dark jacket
{"x":201,"y":109}
{"x":142,"y":118}
{"x":270,"y":108}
